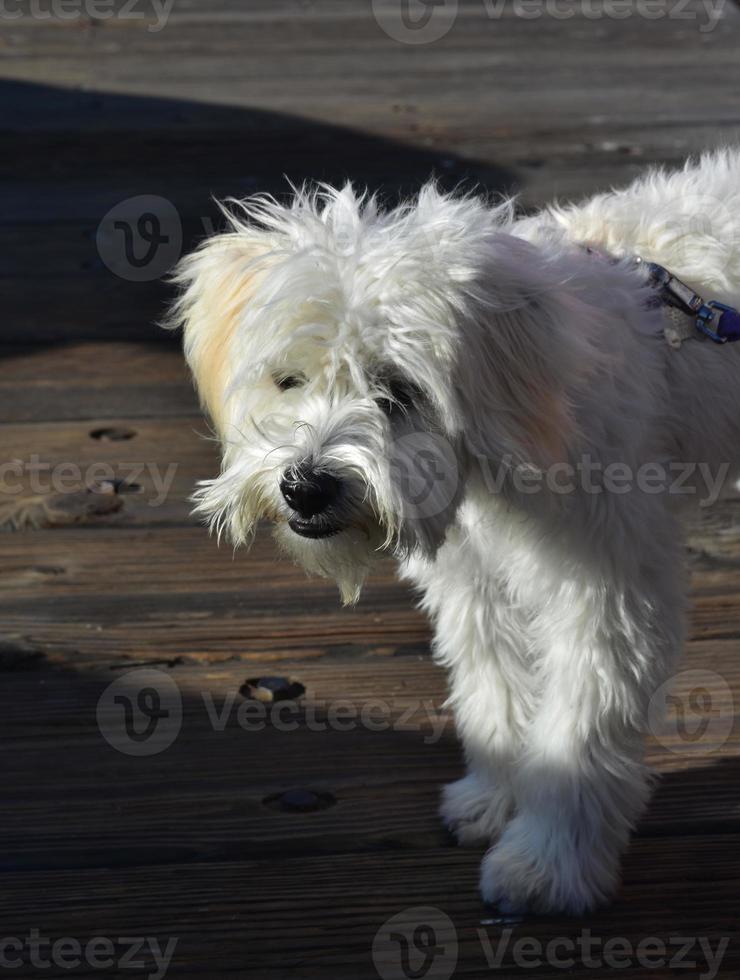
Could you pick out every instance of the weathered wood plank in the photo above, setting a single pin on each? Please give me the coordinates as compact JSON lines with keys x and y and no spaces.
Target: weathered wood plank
{"x":95,"y":381}
{"x":227,"y":99}
{"x":227,"y":768}
{"x":158,"y":462}
{"x":327,"y":95}
{"x":318,"y":917}
{"x":117,"y":593}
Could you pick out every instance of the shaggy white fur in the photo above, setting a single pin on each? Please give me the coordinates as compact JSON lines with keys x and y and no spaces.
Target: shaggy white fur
{"x":489,"y":398}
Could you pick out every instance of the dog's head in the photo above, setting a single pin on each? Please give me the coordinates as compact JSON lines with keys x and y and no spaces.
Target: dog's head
{"x":359,"y":364}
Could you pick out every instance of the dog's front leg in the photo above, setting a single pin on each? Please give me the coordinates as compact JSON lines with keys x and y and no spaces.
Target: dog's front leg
{"x":478,"y":637}
{"x":581,"y":784}
{"x":477,"y":807}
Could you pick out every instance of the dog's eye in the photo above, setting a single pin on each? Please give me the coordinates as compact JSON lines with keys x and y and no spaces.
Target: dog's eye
{"x":287,"y":381}
{"x":402,"y":394}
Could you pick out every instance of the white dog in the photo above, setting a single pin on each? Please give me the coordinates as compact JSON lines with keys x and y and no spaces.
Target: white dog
{"x":492,"y":402}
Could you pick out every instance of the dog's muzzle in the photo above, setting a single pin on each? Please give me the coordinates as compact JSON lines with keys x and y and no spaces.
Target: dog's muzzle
{"x":311,"y":495}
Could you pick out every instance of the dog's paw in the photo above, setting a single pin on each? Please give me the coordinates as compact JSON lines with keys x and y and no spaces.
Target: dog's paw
{"x":539,"y":867}
{"x":474,"y":811}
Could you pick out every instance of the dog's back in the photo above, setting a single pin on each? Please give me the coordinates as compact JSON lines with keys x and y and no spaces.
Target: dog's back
{"x":687,"y":220}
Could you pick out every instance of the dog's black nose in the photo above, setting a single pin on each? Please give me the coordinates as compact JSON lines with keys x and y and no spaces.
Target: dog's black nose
{"x":307,"y":491}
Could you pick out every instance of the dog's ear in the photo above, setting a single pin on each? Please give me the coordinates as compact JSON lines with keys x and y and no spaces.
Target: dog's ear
{"x":217,"y":282}
{"x":527,"y":349}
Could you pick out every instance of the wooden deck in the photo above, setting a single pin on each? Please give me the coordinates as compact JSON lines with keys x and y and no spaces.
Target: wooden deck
{"x":279,"y":845}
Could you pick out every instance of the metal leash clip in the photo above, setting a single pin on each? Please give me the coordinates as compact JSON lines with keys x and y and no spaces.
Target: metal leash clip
{"x":715,"y":320}
{"x":706,"y":317}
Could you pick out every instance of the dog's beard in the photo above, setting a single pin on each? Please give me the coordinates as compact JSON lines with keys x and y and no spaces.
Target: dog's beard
{"x":345,"y":557}
{"x":247,"y":492}
{"x":400,"y":486}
